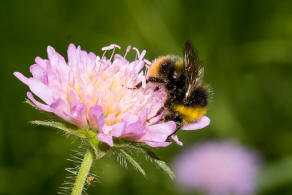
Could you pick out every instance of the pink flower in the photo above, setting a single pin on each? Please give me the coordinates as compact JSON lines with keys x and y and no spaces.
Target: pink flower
{"x":94,"y":92}
{"x":218,"y":168}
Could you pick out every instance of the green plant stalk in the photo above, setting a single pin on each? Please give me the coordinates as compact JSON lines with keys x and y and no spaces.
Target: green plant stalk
{"x":83,"y":172}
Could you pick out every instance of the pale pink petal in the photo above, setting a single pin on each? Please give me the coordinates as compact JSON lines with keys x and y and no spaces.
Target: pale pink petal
{"x":96,"y":117}
{"x":118,"y":129}
{"x":175,"y":138}
{"x":139,"y":66}
{"x":58,"y":63}
{"x":143,"y":115}
{"x":199,"y":124}
{"x":41,"y":90}
{"x":158,"y":144}
{"x":105,"y":138}
{"x":131,"y":118}
{"x":61,"y":109}
{"x":41,"y":62}
{"x":78,"y":114}
{"x":91,"y":58}
{"x":21,"y":77}
{"x":158,"y":132}
{"x":52,"y":57}
{"x":38,"y":104}
{"x":72,"y":55}
{"x":107,"y":129}
{"x":39,"y":73}
{"x":156,"y":119}
{"x":134,"y":129}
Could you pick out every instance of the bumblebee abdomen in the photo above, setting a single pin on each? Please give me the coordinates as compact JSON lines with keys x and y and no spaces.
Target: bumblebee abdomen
{"x":190,"y":113}
{"x":198,"y":97}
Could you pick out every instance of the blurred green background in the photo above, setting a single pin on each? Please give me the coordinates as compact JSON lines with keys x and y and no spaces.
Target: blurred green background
{"x":246,"y":47}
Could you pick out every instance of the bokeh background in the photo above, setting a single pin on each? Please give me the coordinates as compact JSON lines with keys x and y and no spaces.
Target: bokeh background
{"x":246,"y":48}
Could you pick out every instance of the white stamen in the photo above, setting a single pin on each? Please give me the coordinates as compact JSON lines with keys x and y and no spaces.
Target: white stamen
{"x":127,"y":51}
{"x":139,"y":66}
{"x":137,"y":53}
{"x":110,"y":47}
{"x":142,"y":55}
{"x":143,"y":82}
{"x":147,"y":61}
{"x":103,"y":54}
{"x":112,"y":53}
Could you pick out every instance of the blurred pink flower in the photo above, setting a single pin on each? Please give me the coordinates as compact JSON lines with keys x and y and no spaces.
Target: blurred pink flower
{"x":93,"y":92}
{"x":218,"y":168}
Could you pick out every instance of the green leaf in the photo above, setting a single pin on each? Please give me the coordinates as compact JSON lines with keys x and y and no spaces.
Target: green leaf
{"x":27,"y":101}
{"x":62,"y":127}
{"x":133,"y":162}
{"x":165,"y":168}
{"x":159,"y":162}
{"x":149,"y":155}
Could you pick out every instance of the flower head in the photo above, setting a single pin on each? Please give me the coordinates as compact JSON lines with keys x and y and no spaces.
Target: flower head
{"x":95,"y":92}
{"x":217,"y":168}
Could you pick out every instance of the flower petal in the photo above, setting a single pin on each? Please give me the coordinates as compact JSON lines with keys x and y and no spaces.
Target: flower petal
{"x":72,"y":61}
{"x":143,"y":115}
{"x":118,"y":129}
{"x":106,"y":139}
{"x":134,"y":129}
{"x":175,"y":138}
{"x":158,"y":144}
{"x":41,"y":90}
{"x":96,"y":117}
{"x":158,"y":132}
{"x":39,"y":73}
{"x":62,"y":109}
{"x":199,"y":124}
{"x":78,"y":113}
{"x":21,"y":77}
{"x":38,"y":104}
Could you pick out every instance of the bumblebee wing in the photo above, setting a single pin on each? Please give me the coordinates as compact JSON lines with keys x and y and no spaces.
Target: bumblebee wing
{"x":192,"y":70}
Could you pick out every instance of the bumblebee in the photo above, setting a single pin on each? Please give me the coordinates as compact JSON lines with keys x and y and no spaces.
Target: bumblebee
{"x":187,"y":97}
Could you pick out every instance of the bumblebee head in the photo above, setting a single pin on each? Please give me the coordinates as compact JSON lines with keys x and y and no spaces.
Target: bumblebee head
{"x":166,"y":67}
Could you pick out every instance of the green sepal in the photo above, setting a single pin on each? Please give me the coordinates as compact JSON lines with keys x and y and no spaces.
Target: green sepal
{"x":132,"y":161}
{"x":27,"y":101}
{"x":149,"y":155}
{"x":89,"y":135}
{"x":66,"y":129}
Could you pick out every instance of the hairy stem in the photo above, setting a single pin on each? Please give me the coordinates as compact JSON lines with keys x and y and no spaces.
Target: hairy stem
{"x":83,"y":172}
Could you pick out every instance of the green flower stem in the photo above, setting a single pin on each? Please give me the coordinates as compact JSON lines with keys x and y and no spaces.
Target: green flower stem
{"x":83,"y":172}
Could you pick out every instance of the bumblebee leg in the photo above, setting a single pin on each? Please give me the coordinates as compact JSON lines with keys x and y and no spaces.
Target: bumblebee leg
{"x":157,"y":114}
{"x":139,"y":85}
{"x":170,"y":100}
{"x":151,"y":79}
{"x":176,"y":117}
{"x":156,"y":80}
